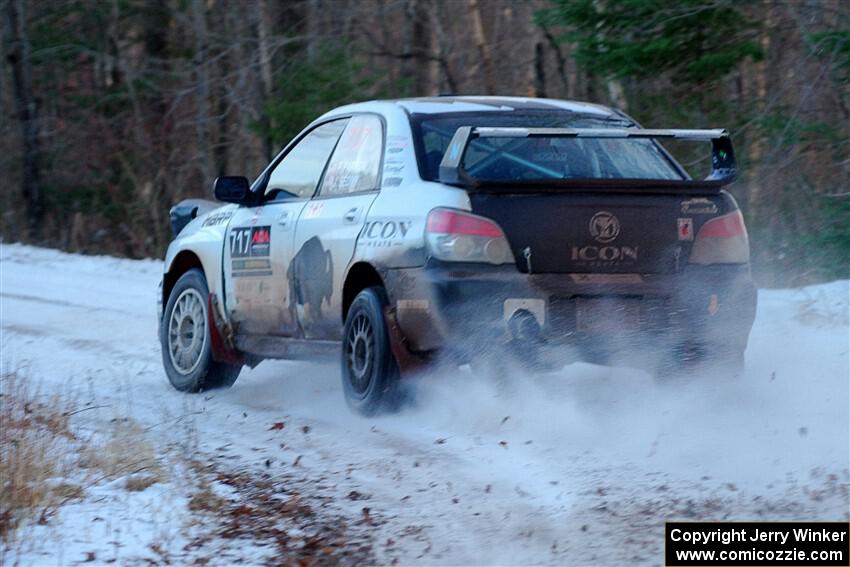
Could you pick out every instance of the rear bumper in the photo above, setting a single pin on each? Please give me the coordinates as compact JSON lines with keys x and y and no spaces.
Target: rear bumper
{"x":473,"y":307}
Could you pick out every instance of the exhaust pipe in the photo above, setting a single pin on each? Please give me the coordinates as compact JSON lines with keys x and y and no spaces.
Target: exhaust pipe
{"x":524,"y":327}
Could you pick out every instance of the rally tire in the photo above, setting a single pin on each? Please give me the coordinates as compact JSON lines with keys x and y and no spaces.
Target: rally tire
{"x":185,"y":339}
{"x":370,"y":374}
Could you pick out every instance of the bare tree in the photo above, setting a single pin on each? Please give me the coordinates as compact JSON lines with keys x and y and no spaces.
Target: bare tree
{"x":19,"y":57}
{"x":482,"y":45}
{"x":202,"y":126}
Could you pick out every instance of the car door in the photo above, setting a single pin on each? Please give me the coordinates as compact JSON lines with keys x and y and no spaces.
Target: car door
{"x":259,"y":242}
{"x":327,"y":230}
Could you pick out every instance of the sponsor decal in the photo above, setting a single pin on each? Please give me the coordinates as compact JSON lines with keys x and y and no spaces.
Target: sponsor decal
{"x":392,"y":181}
{"x":379,"y":234}
{"x":250,"y":241}
{"x":698,"y":206}
{"x":604,"y":255}
{"x":686,"y":229}
{"x":356,"y":136}
{"x":252,"y":264}
{"x":604,"y":227}
{"x":257,"y":212}
{"x":311,"y":285}
{"x":217,"y":218}
{"x":393,"y":168}
{"x":314,"y":209}
{"x":395,"y":150}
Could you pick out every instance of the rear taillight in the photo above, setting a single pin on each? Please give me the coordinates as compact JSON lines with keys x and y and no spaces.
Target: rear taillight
{"x":456,"y":236}
{"x":722,"y":240}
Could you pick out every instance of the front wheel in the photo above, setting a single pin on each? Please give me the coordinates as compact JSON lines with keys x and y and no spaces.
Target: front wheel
{"x":370,"y":374}
{"x":185,"y":339}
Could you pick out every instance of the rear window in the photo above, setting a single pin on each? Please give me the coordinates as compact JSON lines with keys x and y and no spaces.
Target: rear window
{"x":518,"y":159}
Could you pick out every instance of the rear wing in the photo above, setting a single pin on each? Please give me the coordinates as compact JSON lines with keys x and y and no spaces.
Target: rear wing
{"x":723,"y":165}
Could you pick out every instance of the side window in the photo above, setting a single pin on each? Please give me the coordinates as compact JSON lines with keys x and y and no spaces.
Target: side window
{"x":299,"y":172}
{"x":356,"y":162}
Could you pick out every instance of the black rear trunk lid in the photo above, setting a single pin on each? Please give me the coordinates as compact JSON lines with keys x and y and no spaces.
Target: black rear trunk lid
{"x":599,"y":231}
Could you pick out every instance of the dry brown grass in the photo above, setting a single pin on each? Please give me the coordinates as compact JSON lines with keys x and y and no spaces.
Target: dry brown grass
{"x":44,"y":464}
{"x":140,"y":483}
{"x":34,"y":436}
{"x":123,"y":450}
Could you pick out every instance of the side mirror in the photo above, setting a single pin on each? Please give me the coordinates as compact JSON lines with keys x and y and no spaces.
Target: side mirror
{"x":232,"y":189}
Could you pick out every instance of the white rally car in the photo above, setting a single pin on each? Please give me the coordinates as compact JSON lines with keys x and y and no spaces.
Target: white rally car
{"x":388,"y":232}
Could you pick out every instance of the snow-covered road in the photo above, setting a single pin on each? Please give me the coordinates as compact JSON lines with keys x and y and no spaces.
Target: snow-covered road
{"x":578,"y":467}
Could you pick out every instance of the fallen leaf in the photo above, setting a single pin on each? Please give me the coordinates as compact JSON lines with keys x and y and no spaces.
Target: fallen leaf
{"x":504,"y":419}
{"x":354,"y":495}
{"x":291,"y":505}
{"x":503,"y":444}
{"x":278,"y":425}
{"x":305,"y":429}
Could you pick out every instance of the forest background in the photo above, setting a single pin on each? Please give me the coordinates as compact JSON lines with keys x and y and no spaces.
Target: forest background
{"x":111,"y":111}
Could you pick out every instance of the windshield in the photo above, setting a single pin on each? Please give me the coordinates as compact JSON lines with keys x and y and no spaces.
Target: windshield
{"x":518,"y":159}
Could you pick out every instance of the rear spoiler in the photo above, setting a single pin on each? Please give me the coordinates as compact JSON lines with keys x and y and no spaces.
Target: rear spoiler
{"x":723,"y":166}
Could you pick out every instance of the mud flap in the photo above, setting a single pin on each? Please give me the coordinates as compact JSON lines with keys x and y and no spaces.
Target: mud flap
{"x":408,"y":363}
{"x":221,"y":335}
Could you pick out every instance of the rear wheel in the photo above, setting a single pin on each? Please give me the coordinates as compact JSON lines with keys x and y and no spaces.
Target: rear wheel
{"x":185,"y":339}
{"x":370,"y":374}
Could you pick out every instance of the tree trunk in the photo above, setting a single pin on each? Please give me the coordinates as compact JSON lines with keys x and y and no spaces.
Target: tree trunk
{"x":446,"y":83}
{"x":18,"y":56}
{"x":482,"y":46}
{"x":760,"y":79}
{"x":314,"y":27}
{"x":265,"y":75}
{"x":539,"y":85}
{"x":202,"y":126}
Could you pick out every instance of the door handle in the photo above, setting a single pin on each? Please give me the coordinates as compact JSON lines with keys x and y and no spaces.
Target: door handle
{"x":351,"y":215}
